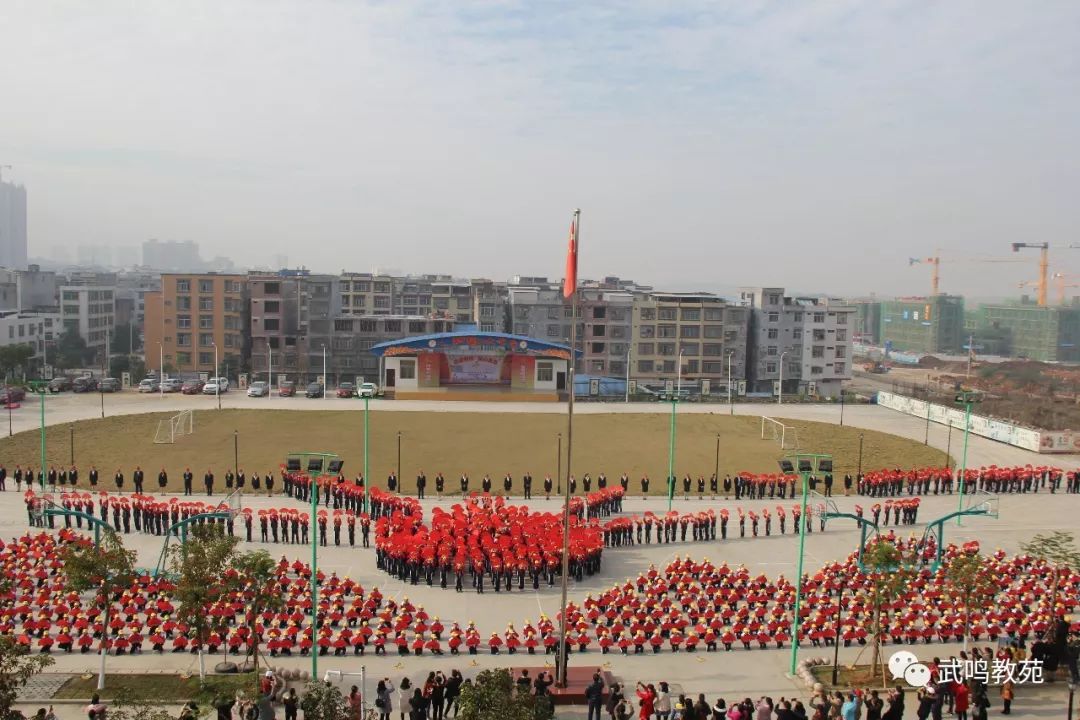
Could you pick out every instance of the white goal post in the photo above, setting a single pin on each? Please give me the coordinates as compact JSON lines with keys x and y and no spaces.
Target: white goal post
{"x":778,"y":432}
{"x":180,"y":424}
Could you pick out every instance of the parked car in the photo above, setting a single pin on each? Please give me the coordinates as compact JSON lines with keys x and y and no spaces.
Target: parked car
{"x":148,"y":385}
{"x":84,"y":384}
{"x":286,"y":389}
{"x":215,"y":386}
{"x":192,"y":387}
{"x":60,"y":384}
{"x":314,"y":390}
{"x":346,"y":390}
{"x":12,"y":395}
{"x":109,"y":385}
{"x":171,"y":385}
{"x":258,"y":389}
{"x":368,"y":390}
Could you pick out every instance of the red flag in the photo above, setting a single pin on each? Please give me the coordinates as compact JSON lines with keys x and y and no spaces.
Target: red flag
{"x":570,"y":284}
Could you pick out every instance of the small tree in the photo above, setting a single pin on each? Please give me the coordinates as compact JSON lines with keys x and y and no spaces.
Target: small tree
{"x":492,"y":697}
{"x":13,"y":357}
{"x":201,"y":565}
{"x":323,"y":701}
{"x":970,"y":577}
{"x":889,"y":571}
{"x":127,"y":705}
{"x":1058,"y":549}
{"x":17,"y":666}
{"x":108,"y":569}
{"x":126,"y":338}
{"x":256,"y":573}
{"x":71,"y":350}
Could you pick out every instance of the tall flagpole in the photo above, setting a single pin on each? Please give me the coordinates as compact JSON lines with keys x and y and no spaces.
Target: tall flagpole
{"x":563,"y":655}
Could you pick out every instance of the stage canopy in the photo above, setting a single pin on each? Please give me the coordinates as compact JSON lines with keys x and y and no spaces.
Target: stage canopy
{"x":472,"y":342}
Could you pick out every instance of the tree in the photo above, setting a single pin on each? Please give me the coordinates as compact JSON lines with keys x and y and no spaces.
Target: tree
{"x":120,"y":364}
{"x":203,"y":578}
{"x":888,"y":569}
{"x":13,"y":357}
{"x":256,"y":572}
{"x":323,"y":701}
{"x":1057,"y":549}
{"x":109,"y":569}
{"x":71,"y":350}
{"x":17,"y":666}
{"x":492,"y":697}
{"x":971,"y":578}
{"x":126,"y":338}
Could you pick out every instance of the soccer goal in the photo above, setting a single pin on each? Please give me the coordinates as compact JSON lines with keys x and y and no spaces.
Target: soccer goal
{"x":180,"y":424}
{"x":784,"y":435}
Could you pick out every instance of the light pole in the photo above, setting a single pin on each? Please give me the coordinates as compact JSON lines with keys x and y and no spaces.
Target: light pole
{"x":839,"y":626}
{"x":629,"y":348}
{"x":217,"y":378}
{"x":366,"y":476}
{"x":948,"y":448}
{"x":41,"y":387}
{"x":326,"y":384}
{"x":236,"y":452}
{"x":716,"y":472}
{"x":161,"y":370}
{"x":730,"y":400}
{"x":270,"y":370}
{"x":399,"y":480}
{"x":72,"y":428}
{"x":841,"y":407}
{"x":671,"y":440}
{"x":558,"y":463}
{"x":859,"y":471}
{"x":968,"y":398}
{"x":780,"y":388}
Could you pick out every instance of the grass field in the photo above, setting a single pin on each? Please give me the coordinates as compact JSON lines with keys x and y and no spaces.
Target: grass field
{"x":450,"y":442}
{"x":158,"y":687}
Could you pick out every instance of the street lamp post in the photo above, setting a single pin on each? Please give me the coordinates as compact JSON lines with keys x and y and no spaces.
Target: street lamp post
{"x":859,"y":472}
{"x":839,"y":628}
{"x":968,"y":398}
{"x":217,"y":377}
{"x":730,"y":400}
{"x":948,"y":448}
{"x":326,"y":384}
{"x":366,"y":478}
{"x":841,"y":407}
{"x":41,"y":387}
{"x":671,"y":440}
{"x":716,"y":470}
{"x":780,"y":387}
{"x":161,"y":370}
{"x":72,"y":428}
{"x":628,"y":351}
{"x":236,"y":452}
{"x":399,"y":480}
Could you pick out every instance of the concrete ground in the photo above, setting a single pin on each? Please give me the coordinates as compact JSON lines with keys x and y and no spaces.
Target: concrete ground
{"x":731,"y":675}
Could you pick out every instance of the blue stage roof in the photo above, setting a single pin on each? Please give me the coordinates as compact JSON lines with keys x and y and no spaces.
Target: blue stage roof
{"x":464,"y":340}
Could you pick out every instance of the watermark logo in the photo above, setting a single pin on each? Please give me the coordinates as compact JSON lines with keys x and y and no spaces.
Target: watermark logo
{"x":906,"y":665}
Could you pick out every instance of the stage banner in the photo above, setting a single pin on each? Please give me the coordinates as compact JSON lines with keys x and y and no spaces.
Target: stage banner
{"x":429,"y":370}
{"x":524,"y":371}
{"x":475,"y":369}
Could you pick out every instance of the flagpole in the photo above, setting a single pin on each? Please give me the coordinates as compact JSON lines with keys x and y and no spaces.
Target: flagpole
{"x":563,"y":655}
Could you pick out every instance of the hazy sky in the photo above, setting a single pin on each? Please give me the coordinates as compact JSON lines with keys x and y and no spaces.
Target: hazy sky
{"x":816,"y":145}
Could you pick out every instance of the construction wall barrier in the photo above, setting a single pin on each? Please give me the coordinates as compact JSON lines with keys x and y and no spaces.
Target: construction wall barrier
{"x":1041,"y":441}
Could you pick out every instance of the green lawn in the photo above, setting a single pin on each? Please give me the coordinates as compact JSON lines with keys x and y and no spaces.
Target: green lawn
{"x":160,"y":688}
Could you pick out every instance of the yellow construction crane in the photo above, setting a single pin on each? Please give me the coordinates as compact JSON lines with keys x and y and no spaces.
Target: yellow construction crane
{"x":935,"y":266}
{"x":1044,"y":264}
{"x":1059,"y":284}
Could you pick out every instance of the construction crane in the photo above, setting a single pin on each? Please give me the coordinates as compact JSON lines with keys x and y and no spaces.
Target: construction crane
{"x":1044,"y":264}
{"x":1060,"y":285}
{"x":935,"y":266}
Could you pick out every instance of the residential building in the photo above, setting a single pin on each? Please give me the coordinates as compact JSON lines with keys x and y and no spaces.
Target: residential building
{"x":932,"y":324}
{"x":441,"y":295}
{"x":490,"y":305}
{"x":537,"y":309}
{"x":366,"y":294}
{"x":192,"y":316}
{"x":349,"y":357}
{"x":704,"y":328}
{"x":36,"y":288}
{"x":867,"y":328}
{"x":804,"y":343}
{"x":170,"y":255}
{"x":29,"y":328}
{"x":605,"y":330}
{"x":13,"y":243}
{"x":89,"y":310}
{"x":1047,"y":334}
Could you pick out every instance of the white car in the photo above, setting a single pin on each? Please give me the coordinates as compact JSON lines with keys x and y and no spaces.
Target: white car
{"x":367,"y":390}
{"x":258,"y":389}
{"x":149,"y":385}
{"x":213,"y":384}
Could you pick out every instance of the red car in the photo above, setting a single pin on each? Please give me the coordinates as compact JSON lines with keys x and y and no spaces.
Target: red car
{"x":346,"y":390}
{"x":287,"y":389}
{"x":11,"y":395}
{"x":192,"y":387}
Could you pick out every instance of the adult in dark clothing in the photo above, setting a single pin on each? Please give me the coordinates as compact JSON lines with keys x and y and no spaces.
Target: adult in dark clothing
{"x":138,"y":477}
{"x":208,"y":482}
{"x":594,"y":695}
{"x":162,"y":480}
{"x":421,"y":485}
{"x":895,"y":711}
{"x":188,"y":477}
{"x":526,"y":481}
{"x":93,"y":476}
{"x":119,"y":480}
{"x":391,"y":482}
{"x":615,"y":696}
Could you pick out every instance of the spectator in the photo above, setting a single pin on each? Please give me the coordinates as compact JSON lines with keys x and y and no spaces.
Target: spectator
{"x":646,"y":697}
{"x":961,"y":695}
{"x":438,"y":696}
{"x":614,"y":699}
{"x":594,"y":695}
{"x":895,"y":710}
{"x":404,"y":699}
{"x":783,"y":710}
{"x":874,"y":704}
{"x":719,"y":709}
{"x":291,"y":701}
{"x":662,"y":705}
{"x":453,"y":692}
{"x":849,"y":710}
{"x":356,"y":704}
{"x":764,"y":708}
{"x":701,"y":708}
{"x":384,"y":700}
{"x":1007,"y":694}
{"x":96,"y":709}
{"x":419,"y":705}
{"x":800,"y":710}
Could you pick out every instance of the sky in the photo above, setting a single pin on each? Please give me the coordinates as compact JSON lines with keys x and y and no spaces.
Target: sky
{"x":709,"y":144}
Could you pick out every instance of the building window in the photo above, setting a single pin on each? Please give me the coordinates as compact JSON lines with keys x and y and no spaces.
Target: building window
{"x":393,"y":326}
{"x":361,"y":286}
{"x":773,"y":299}
{"x":644,"y":366}
{"x":407,"y":370}
{"x":271,"y":325}
{"x":819,"y":317}
{"x":773,"y":333}
{"x":815,"y":370}
{"x":667,"y":313}
{"x":819,"y":335}
{"x":416,"y":326}
{"x":688,"y":348}
{"x":841,"y":318}
{"x":206,"y":286}
{"x":183,"y":286}
{"x":206,"y":322}
{"x":689,"y":331}
{"x":714,"y":331}
{"x":712,"y":349}
{"x":206,"y":358}
{"x":796,"y":334}
{"x":599,"y":312}
{"x":817,"y":351}
{"x":774,"y":317}
{"x":647,"y":331}
{"x":648,"y":313}
{"x":691,"y":314}
{"x":553,"y":313}
{"x":487,"y":311}
{"x":841,"y":335}
{"x":183,"y":339}
{"x":798,"y":317}
{"x":342,"y":325}
{"x":645,"y":349}
{"x":668,"y":366}
{"x":599,"y":330}
{"x":544,"y":372}
{"x":367,"y":326}
{"x":841,"y":352}
{"x":770,"y":367}
{"x":206,"y":303}
{"x":272,"y":288}
{"x":206,"y":339}
{"x":382,"y":301}
{"x":840,"y":368}
{"x":618,"y":331}
{"x":714,"y":314}
{"x":553,"y":330}
{"x":183,"y":358}
{"x":597,"y":348}
{"x":230,"y":340}
{"x":666,"y":331}
{"x":232,"y":286}
{"x":273,"y":342}
{"x":771,"y":351}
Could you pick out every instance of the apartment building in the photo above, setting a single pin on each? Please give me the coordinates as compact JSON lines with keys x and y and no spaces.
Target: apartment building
{"x":366,"y":294}
{"x":605,"y":328}
{"x":807,"y":341}
{"x":292,"y":317}
{"x":932,"y":324}
{"x":537,"y":309}
{"x":348,"y":357}
{"x":704,"y":328}
{"x":89,"y":310}
{"x":490,"y":305}
{"x":29,"y":328}
{"x":193,"y":317}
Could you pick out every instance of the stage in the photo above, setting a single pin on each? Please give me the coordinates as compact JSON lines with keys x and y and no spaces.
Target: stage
{"x":577,"y":679}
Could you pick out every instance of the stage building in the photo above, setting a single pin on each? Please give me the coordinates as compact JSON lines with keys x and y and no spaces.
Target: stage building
{"x":472,"y":365}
